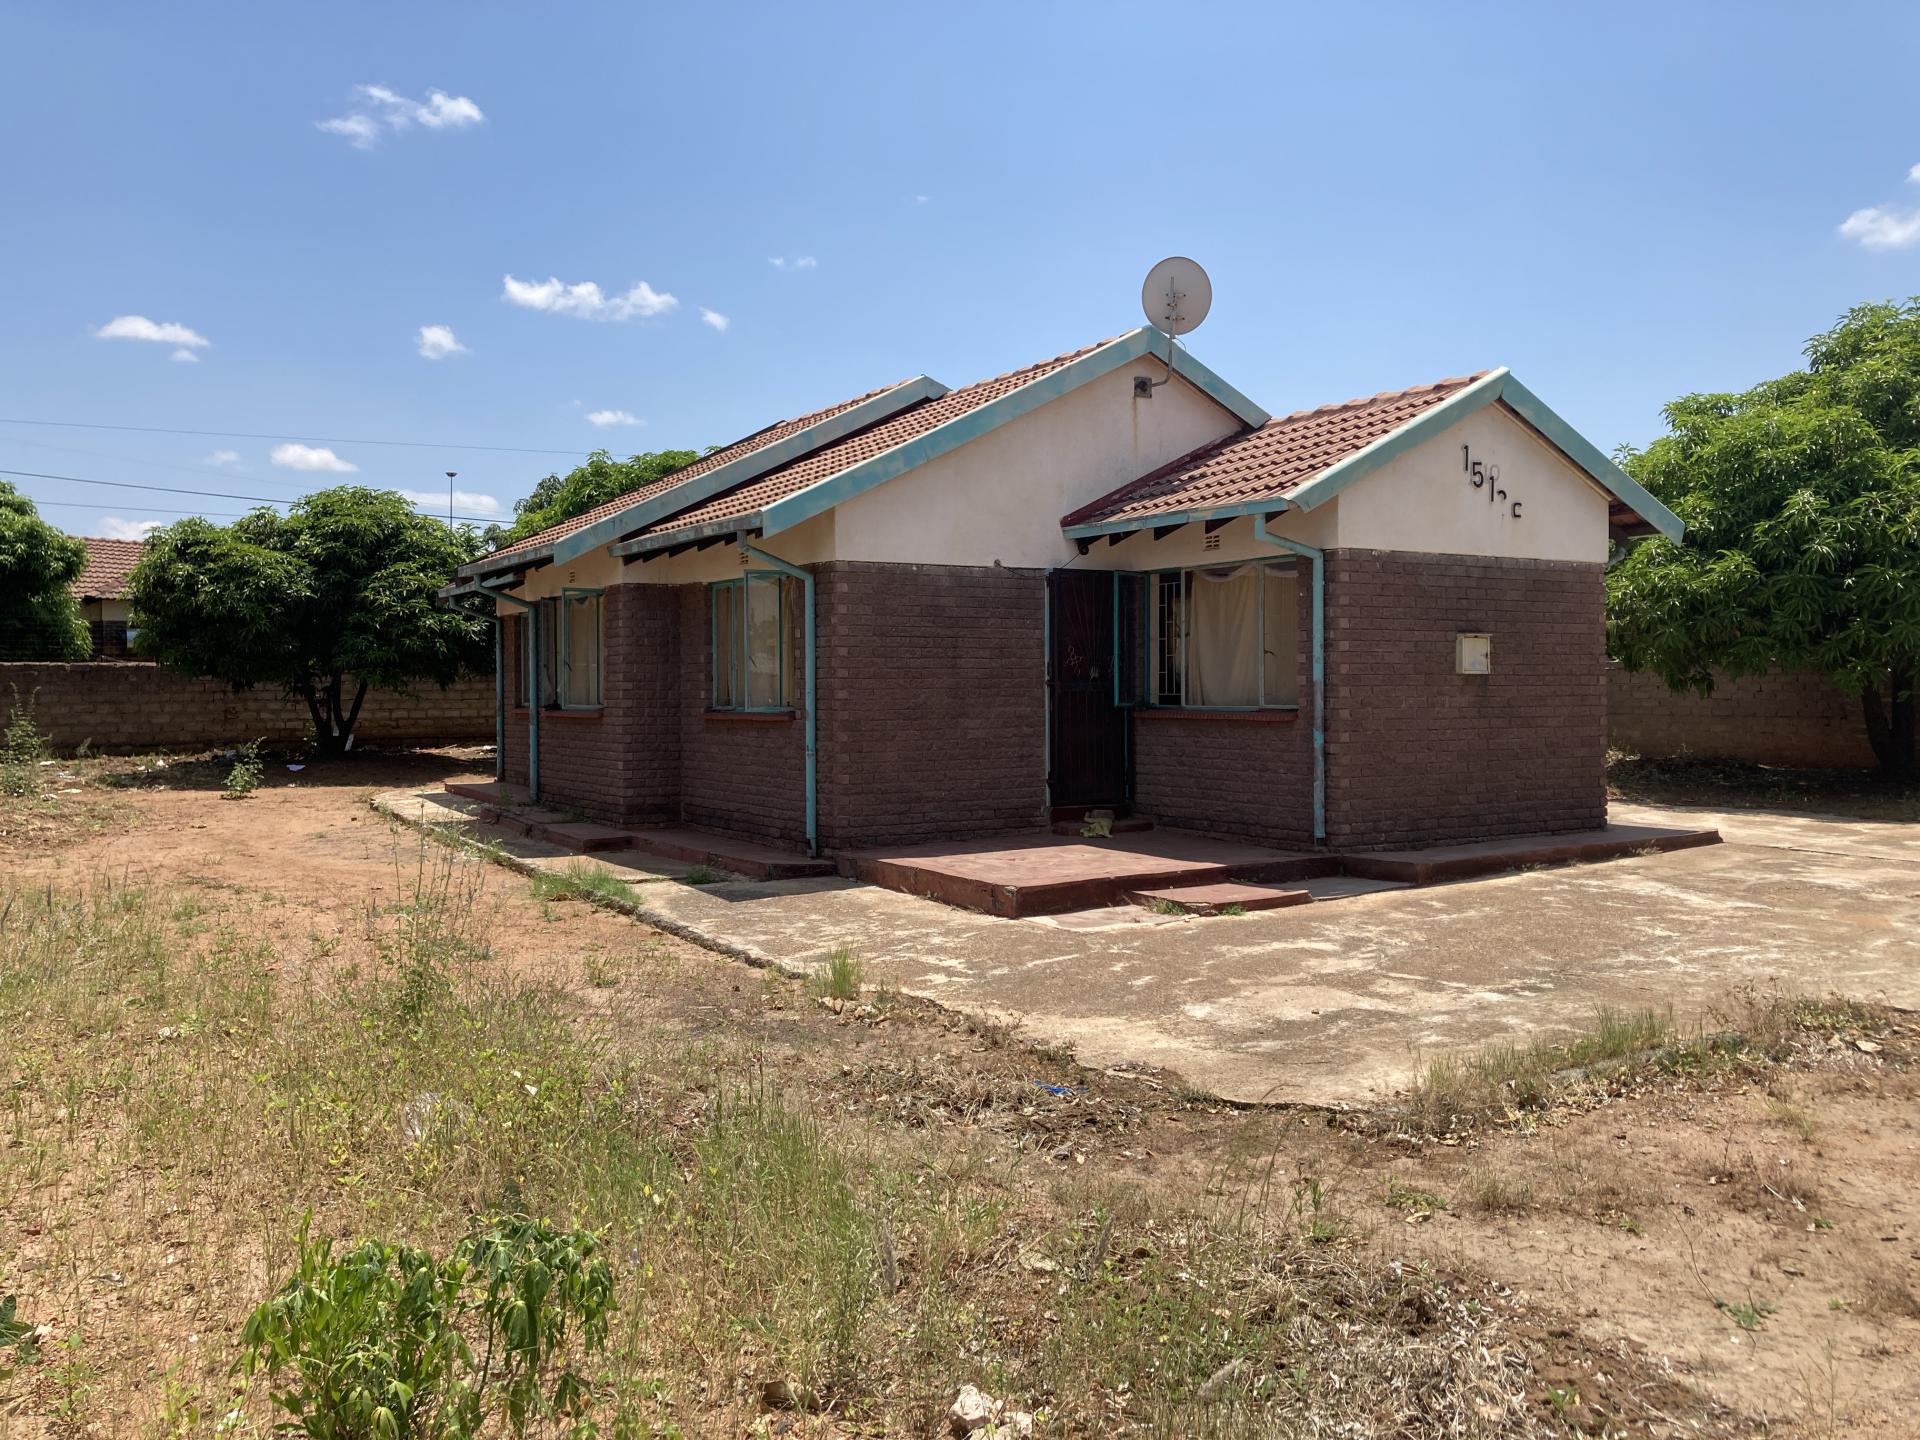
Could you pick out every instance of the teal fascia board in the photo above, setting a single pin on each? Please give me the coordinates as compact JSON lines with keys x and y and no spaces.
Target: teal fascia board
{"x":786,"y":513}
{"x":748,"y":524}
{"x":1395,"y":443}
{"x":1094,"y":529}
{"x":883,"y":406}
{"x":1577,"y":448}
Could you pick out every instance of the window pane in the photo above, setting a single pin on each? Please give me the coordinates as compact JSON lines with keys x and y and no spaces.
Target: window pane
{"x":726,"y":633}
{"x":1167,"y":662}
{"x":1281,"y":591}
{"x":1223,"y":667}
{"x":763,"y":642}
{"x":549,"y":618}
{"x":583,"y":650}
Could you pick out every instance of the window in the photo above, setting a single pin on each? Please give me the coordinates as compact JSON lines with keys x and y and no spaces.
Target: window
{"x":568,"y":627}
{"x":1225,"y":638}
{"x":752,"y":669}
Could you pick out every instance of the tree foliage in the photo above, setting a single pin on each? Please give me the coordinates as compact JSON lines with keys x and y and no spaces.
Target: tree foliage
{"x":600,"y":479}
{"x":39,"y":617}
{"x":339,"y":590}
{"x":1801,"y":499}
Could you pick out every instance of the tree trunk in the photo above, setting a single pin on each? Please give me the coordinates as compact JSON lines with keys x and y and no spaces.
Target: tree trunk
{"x":1890,"y":728}
{"x":332,"y":728}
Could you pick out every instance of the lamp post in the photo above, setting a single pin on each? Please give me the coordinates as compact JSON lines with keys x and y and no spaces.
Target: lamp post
{"x":450,"y":474}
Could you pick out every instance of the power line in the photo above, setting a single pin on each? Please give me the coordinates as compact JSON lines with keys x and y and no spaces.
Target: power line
{"x":77,"y":505}
{"x":177,"y":490}
{"x":317,"y":439}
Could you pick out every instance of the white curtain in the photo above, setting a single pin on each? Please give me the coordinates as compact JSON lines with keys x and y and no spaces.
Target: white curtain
{"x":1282,"y":631}
{"x":1223,"y":654}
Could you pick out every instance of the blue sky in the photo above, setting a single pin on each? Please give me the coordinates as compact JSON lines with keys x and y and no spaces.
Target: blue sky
{"x":1623,"y":203}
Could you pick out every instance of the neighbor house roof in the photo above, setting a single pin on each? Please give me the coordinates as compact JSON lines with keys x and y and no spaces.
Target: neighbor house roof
{"x":109,"y":563}
{"x":1302,"y":460}
{"x":797,"y":491}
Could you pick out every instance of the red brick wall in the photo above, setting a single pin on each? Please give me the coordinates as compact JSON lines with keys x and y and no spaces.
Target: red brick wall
{"x":1235,"y":774}
{"x":620,"y":763}
{"x":134,"y":705}
{"x":932,"y":702}
{"x":1781,"y":718}
{"x":1416,"y":753}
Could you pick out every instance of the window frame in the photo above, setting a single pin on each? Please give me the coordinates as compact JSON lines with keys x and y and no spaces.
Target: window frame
{"x":742,"y":608}
{"x":563,"y":674}
{"x":548,"y":619}
{"x":1149,"y":634}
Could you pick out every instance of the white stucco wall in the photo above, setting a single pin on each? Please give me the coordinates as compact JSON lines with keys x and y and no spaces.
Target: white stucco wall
{"x":999,"y":498}
{"x":1425,"y":501}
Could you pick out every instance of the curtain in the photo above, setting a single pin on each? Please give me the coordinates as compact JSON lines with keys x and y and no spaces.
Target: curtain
{"x":764,"y":642}
{"x":583,"y":650}
{"x":1223,"y":661}
{"x":1281,"y":597}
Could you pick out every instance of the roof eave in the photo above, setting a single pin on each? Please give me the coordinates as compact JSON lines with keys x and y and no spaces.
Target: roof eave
{"x":1094,"y":529}
{"x":656,"y":541}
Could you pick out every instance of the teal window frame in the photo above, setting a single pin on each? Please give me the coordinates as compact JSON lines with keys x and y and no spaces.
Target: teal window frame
{"x":741,"y":610}
{"x":564,"y":674}
{"x":1149,"y":690}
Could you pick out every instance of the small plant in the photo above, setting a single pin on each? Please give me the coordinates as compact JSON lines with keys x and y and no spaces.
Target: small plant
{"x":583,"y":880}
{"x":1234,"y":910}
{"x":246,"y":772}
{"x":1402,"y":1196}
{"x":375,"y":1343}
{"x":22,"y":748}
{"x":73,"y":1377}
{"x":1632,"y":1226}
{"x":700,"y":875}
{"x":1168,"y":907}
{"x":1748,"y":1315}
{"x":840,"y":977}
{"x":1097,"y":826}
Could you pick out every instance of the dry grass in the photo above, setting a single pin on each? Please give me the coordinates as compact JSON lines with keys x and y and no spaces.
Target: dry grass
{"x":182,"y":1090}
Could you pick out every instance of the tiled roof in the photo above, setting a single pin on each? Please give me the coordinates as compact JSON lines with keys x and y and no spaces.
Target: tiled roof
{"x":1266,"y":463}
{"x":109,"y":563}
{"x":755,"y":495}
{"x":759,"y":440}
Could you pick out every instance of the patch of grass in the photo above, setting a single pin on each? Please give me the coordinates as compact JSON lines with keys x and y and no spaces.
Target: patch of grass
{"x":840,"y":978}
{"x":700,"y":875}
{"x":1787,"y":1109}
{"x":1167,"y":907}
{"x":1493,"y":1191}
{"x":1747,"y":1314}
{"x":1234,"y":910}
{"x":582,"y":880}
{"x":1402,"y":1196}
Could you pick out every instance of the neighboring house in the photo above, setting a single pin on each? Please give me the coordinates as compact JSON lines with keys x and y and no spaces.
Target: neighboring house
{"x":1107,"y":580}
{"x":102,"y":593}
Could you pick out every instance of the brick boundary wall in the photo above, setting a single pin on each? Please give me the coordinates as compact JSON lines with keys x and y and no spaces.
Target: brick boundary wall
{"x":132,"y":706}
{"x":1418,"y":754}
{"x":1780,"y":718}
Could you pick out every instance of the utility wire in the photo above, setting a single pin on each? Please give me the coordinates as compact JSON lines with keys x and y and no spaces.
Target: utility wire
{"x":256,"y":435}
{"x":176,"y":490}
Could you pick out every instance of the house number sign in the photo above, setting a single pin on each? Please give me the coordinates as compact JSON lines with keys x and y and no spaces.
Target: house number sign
{"x":1483,"y":475}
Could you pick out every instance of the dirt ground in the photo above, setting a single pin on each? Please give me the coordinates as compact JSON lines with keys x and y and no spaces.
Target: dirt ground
{"x":1742,"y":1255}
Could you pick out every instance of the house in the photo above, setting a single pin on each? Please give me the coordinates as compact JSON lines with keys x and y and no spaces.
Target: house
{"x":102,"y":593}
{"x":1106,"y":580}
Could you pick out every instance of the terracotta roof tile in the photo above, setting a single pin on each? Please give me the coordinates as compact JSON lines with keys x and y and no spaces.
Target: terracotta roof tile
{"x":759,"y":440}
{"x":755,"y":495}
{"x":109,"y":563}
{"x":1267,"y":463}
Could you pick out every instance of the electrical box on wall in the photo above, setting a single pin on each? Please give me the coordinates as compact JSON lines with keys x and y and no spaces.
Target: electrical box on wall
{"x":1472,"y":654}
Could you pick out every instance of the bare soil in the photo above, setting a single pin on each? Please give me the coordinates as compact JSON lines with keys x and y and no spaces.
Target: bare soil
{"x":1701,"y":1257}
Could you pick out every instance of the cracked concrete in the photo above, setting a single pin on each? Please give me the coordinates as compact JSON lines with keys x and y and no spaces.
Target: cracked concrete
{"x":1337,"y":1002}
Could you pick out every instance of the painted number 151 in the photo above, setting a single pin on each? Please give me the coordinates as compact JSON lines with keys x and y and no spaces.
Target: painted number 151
{"x":1485,"y":476}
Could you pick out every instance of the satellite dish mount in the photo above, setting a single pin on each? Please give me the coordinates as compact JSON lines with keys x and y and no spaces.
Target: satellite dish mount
{"x":1176,"y":297}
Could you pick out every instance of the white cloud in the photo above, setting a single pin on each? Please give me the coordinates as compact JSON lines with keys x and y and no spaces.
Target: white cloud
{"x":1884,"y":227}
{"x":185,"y":357}
{"x":714,"y":318}
{"x":437,"y":342}
{"x":798,"y":262}
{"x":224,"y":457}
{"x":921,"y":199}
{"x":586,"y":300}
{"x":112,"y":527}
{"x":376,"y":107}
{"x":604,"y":418}
{"x":310,"y":457}
{"x":139,"y":327}
{"x":465,"y":502}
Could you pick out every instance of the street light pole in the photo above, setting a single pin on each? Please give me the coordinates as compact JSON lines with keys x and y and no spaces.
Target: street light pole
{"x":450,"y":475}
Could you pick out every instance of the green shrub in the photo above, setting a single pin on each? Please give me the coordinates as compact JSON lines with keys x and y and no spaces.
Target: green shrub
{"x":387,"y":1343}
{"x":246,"y":773}
{"x":22,"y":748}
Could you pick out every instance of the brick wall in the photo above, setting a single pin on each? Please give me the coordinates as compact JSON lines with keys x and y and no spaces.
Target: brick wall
{"x":1416,"y":753}
{"x":132,"y":706}
{"x":1237,"y":774}
{"x":932,"y":707}
{"x":1781,"y":718}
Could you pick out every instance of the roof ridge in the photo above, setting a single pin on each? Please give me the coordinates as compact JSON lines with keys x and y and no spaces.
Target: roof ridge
{"x":1380,"y":396}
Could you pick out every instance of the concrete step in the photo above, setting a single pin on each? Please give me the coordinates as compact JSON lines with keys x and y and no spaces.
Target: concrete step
{"x":1215,"y":898}
{"x":583,"y":835}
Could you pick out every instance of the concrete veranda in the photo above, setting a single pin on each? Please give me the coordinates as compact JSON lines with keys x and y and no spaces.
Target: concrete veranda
{"x":1336,"y":1003}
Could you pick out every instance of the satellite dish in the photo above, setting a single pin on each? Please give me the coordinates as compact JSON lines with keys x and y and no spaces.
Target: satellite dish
{"x":1177,"y":295}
